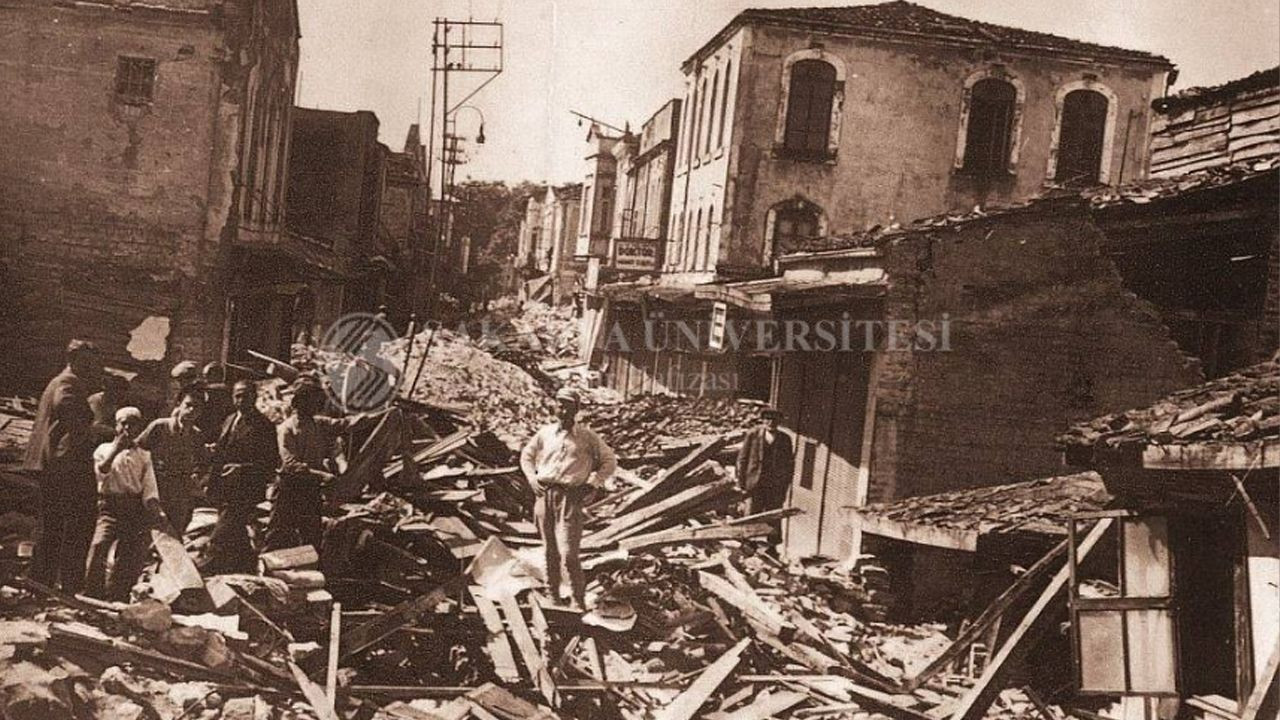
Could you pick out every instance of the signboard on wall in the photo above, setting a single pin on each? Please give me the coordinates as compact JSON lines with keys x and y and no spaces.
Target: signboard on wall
{"x":719,"y":317}
{"x":635,"y":254}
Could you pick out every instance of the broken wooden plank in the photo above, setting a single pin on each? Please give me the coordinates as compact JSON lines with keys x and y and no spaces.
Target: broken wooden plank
{"x":331,"y":672}
{"x":175,"y":564}
{"x":699,"y":534}
{"x":993,"y":612}
{"x":363,"y":636}
{"x":669,"y":508}
{"x":750,"y":605}
{"x":313,"y":693}
{"x":529,"y":652}
{"x":669,"y":482}
{"x":1262,"y":702}
{"x":766,"y":705}
{"x":687,"y":704}
{"x":974,"y":704}
{"x":303,"y":556}
{"x":502,"y":704}
{"x":504,"y":662}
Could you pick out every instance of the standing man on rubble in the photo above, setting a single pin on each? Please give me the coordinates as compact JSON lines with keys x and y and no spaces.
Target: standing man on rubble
{"x":563,"y":462}
{"x":765,"y":463}
{"x":244,"y":458}
{"x":128,"y":507}
{"x":177,"y":448}
{"x":306,"y":443}
{"x":60,"y":455}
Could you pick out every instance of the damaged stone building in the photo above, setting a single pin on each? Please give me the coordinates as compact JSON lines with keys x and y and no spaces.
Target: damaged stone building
{"x":144,"y":172}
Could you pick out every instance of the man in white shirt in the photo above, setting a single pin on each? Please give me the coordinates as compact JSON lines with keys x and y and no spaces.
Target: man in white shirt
{"x":128,"y":506}
{"x":563,"y":462}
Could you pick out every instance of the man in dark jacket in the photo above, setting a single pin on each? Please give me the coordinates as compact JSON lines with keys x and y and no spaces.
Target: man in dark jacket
{"x":60,"y":454}
{"x":244,"y":459}
{"x":765,"y":464}
{"x":178,"y":453}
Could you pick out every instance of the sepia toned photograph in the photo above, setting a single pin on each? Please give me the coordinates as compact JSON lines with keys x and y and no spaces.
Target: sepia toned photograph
{"x":639,"y":360}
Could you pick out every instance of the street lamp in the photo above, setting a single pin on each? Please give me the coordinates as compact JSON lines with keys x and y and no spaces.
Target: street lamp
{"x":480,"y":134}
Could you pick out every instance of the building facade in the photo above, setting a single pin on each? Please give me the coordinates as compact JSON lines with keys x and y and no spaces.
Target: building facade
{"x":145,"y":169}
{"x":808,"y":122}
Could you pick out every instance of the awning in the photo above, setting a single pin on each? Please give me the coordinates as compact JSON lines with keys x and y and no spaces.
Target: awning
{"x":765,"y":295}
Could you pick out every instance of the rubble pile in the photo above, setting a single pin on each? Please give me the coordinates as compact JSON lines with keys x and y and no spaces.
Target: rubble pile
{"x":1242,"y":406}
{"x":646,"y":424}
{"x":458,"y":375}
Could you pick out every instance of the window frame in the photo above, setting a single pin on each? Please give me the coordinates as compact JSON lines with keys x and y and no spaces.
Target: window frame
{"x":1109,"y":129}
{"x":781,"y":149}
{"x":1121,"y":605}
{"x":1015,"y":123}
{"x":123,"y":83}
{"x":776,"y":214}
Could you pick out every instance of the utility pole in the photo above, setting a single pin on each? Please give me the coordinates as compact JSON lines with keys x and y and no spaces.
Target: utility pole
{"x":457,"y":46}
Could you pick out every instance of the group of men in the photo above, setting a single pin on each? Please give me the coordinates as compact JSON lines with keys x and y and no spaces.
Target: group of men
{"x":98,"y":492}
{"x":104,"y":486}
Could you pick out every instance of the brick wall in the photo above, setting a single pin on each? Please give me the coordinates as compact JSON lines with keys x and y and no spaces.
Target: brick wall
{"x":1041,"y":334}
{"x":103,"y":222}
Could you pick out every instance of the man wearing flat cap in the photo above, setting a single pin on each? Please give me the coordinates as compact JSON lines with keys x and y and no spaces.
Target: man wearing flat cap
{"x":563,"y":462}
{"x":764,"y":466}
{"x":59,"y":455}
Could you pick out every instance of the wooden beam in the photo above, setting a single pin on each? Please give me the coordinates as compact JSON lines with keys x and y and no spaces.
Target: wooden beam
{"x":175,"y":564}
{"x":687,"y":704}
{"x":1263,"y":700}
{"x":993,"y":612}
{"x":766,"y":705}
{"x":975,"y":702}
{"x":699,"y":534}
{"x":667,"y":508}
{"x":331,"y":672}
{"x":1259,"y":454}
{"x":529,"y":651}
{"x":313,"y":693}
{"x":748,"y":604}
{"x":669,"y":483}
{"x":504,"y":662}
{"x":921,"y":534}
{"x":364,"y":636}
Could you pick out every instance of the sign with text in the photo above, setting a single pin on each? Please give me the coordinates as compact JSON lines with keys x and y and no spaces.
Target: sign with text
{"x":719,"y":317}
{"x":635,"y":254}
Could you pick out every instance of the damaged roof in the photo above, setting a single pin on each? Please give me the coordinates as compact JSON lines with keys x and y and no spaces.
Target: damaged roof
{"x":905,"y":20}
{"x":1202,"y":96}
{"x":1241,"y":407}
{"x":957,"y":519}
{"x":1099,"y":197}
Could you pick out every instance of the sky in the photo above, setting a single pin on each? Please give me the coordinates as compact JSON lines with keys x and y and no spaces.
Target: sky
{"x":619,"y":60}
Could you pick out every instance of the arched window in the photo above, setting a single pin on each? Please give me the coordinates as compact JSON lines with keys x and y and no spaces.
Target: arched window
{"x":794,"y":221}
{"x":711,"y":110}
{"x":1082,"y":137}
{"x":724,"y":102}
{"x":989,"y":132}
{"x":809,"y":100}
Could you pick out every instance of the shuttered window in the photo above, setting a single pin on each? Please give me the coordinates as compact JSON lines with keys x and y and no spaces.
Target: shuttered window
{"x":989,"y":134}
{"x":1081,"y":137}
{"x":809,"y":100}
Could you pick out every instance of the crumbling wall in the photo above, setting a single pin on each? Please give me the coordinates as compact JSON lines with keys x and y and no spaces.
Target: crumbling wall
{"x":1041,"y":334}
{"x":104,"y":218}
